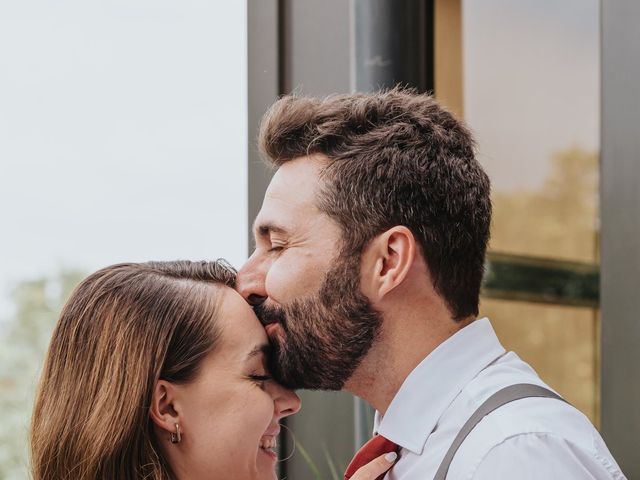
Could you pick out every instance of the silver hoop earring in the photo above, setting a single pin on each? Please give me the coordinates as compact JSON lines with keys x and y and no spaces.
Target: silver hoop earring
{"x":176,"y":437}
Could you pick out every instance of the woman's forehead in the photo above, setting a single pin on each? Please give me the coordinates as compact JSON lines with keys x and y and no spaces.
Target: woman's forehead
{"x":241,"y":331}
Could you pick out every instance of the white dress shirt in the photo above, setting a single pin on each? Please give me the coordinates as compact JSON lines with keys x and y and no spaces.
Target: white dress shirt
{"x":532,"y":438}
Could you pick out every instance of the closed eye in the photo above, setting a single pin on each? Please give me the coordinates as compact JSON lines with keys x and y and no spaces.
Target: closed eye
{"x":260,"y":380}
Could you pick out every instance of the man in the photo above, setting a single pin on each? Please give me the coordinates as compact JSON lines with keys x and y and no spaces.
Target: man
{"x":370,"y":249}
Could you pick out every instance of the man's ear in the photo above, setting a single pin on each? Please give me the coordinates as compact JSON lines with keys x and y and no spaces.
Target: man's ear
{"x":164,"y":413}
{"x":387,"y":261}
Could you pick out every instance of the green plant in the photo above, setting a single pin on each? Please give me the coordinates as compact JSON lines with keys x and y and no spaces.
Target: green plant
{"x":23,"y":343}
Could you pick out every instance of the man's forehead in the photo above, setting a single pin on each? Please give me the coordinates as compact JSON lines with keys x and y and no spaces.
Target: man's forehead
{"x":293,"y":186}
{"x":302,"y":173}
{"x":283,"y":214}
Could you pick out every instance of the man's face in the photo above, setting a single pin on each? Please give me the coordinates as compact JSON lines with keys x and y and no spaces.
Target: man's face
{"x":306,"y":293}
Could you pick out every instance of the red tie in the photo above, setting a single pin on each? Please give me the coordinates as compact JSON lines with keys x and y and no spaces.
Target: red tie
{"x":375,"y":447}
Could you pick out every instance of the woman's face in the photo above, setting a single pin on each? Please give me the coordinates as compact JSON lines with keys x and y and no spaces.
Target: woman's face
{"x":229,"y":415}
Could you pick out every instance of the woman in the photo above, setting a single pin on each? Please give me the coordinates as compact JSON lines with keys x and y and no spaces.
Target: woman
{"x":157,"y":371}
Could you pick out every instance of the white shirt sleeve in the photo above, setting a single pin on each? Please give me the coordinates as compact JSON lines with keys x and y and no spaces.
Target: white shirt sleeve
{"x":535,"y":456}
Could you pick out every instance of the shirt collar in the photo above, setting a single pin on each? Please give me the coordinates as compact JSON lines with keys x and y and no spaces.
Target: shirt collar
{"x":435,"y":383}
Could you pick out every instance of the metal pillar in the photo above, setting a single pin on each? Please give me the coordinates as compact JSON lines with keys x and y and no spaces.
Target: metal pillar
{"x":391,"y":44}
{"x":620,"y":252}
{"x":320,"y":48}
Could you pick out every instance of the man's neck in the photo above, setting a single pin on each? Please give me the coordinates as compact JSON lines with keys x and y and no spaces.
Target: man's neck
{"x":407,"y":337}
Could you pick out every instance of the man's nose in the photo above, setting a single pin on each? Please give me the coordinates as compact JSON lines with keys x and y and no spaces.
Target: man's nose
{"x":251,"y":279}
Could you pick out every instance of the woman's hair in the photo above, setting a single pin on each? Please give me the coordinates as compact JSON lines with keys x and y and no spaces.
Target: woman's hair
{"x":122,"y":329}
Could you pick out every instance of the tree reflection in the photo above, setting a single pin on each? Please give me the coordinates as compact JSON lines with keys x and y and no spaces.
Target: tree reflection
{"x":560,"y":219}
{"x":22,"y":348}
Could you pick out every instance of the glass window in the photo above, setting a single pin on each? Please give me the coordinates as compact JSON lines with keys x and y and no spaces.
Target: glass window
{"x":559,"y":342}
{"x":531,"y":95}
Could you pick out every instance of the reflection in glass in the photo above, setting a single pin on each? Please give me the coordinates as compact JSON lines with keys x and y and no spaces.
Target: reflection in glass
{"x":560,"y":343}
{"x":531,"y":96}
{"x":557,"y":219}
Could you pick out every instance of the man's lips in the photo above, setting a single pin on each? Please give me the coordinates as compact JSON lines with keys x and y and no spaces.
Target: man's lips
{"x":267,"y":321}
{"x":270,"y":327}
{"x":268,"y":318}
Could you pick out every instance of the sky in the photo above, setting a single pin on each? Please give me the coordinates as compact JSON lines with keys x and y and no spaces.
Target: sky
{"x":531,"y":83}
{"x":122,"y":134}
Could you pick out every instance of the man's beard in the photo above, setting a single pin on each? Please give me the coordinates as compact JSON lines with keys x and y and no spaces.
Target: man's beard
{"x":324,"y":337}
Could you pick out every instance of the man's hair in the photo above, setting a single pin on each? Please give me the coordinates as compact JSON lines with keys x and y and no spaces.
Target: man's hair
{"x":396,"y":157}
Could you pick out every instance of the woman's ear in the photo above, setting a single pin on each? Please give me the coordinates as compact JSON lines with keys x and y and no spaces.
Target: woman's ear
{"x":387,"y":261}
{"x":163,"y":412}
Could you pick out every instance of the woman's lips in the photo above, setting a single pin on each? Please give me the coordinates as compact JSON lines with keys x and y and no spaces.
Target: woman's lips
{"x":269,"y":439}
{"x":269,"y":443}
{"x":272,"y":431}
{"x":273,"y":456}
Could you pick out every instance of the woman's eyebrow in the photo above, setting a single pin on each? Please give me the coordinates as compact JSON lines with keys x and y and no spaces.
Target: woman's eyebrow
{"x":264,"y":349}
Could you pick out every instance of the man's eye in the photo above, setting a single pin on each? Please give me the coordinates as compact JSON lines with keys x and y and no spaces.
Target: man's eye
{"x":276,"y":248}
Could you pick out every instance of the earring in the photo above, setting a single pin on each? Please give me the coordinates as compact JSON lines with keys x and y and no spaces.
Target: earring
{"x":176,"y":437}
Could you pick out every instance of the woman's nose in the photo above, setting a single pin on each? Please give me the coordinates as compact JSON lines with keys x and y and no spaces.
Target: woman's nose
{"x":286,"y":402}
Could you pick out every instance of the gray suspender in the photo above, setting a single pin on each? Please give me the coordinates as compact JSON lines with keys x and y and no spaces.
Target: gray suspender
{"x":498,"y":399}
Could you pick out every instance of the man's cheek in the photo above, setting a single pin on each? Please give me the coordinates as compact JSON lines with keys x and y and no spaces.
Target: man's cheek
{"x":287,"y":281}
{"x":282,"y":283}
{"x":275,"y":285}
